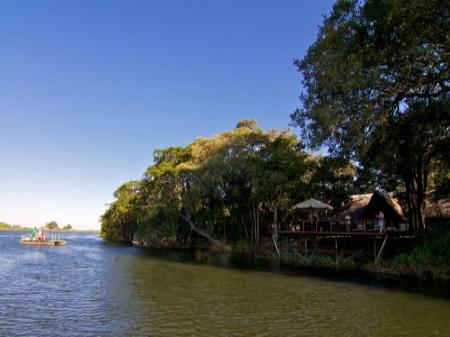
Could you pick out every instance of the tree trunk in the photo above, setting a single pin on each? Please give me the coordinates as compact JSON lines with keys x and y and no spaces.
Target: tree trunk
{"x":275,"y":217}
{"x":416,"y":183}
{"x":201,"y":232}
{"x":257,"y":226}
{"x":255,"y":222}
{"x":245,"y":227}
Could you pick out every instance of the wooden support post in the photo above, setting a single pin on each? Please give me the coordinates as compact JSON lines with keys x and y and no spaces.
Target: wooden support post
{"x":306,"y":247}
{"x":374,"y":250}
{"x":336,"y":248}
{"x":276,"y":246}
{"x":380,"y":253}
{"x":287,"y":246}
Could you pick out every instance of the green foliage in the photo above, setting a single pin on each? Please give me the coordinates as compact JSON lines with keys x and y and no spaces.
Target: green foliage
{"x":433,"y":256}
{"x":322,"y":262}
{"x":51,"y":225}
{"x":378,"y":83}
{"x":120,"y":220}
{"x":332,"y":180}
{"x":67,"y":227}
{"x":5,"y":226}
{"x":228,"y":187}
{"x":439,"y":178}
{"x":250,"y":123}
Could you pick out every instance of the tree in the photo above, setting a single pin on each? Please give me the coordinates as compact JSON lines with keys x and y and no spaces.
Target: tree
{"x":377,"y":85}
{"x":52,"y":225}
{"x":331,"y":180}
{"x":67,"y":227}
{"x":228,"y":188}
{"x":221,"y":188}
{"x":249,"y":123}
{"x":120,"y":221}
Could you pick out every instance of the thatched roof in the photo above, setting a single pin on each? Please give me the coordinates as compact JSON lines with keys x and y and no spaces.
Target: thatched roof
{"x":357,"y":202}
{"x":312,"y":204}
{"x":381,"y":201}
{"x":366,"y":206}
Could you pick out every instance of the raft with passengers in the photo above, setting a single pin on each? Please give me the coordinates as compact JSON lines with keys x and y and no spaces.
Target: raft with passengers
{"x":40,"y":238}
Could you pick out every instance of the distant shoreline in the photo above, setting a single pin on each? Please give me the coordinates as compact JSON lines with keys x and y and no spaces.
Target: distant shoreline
{"x":14,"y":229}
{"x":23,"y":229}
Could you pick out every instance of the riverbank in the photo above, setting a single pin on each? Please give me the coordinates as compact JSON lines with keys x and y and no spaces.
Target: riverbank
{"x":425,"y":262}
{"x":14,"y":229}
{"x":8,"y":227}
{"x":25,"y":229}
{"x":321,"y":271}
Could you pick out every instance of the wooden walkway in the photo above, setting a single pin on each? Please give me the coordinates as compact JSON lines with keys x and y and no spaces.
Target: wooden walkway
{"x":333,"y":233}
{"x":336,"y":236}
{"x":339,"y":234}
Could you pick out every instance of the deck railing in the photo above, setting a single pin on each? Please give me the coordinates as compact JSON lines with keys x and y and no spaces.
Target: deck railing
{"x":332,"y":225}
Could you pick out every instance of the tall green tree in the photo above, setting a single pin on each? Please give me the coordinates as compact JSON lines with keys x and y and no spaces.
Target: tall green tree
{"x":377,"y":85}
{"x":228,"y":188}
{"x":332,"y":180}
{"x":120,"y":220}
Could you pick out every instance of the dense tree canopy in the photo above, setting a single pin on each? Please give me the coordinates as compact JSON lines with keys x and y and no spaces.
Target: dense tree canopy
{"x":377,"y":85}
{"x":228,"y":188}
{"x":120,"y":220}
{"x":51,"y":225}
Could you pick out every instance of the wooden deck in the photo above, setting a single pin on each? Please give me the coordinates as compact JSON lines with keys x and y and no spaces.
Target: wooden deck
{"x":372,"y":234}
{"x":337,"y":236}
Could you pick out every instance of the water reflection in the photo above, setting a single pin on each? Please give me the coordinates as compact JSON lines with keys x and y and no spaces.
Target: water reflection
{"x":91,"y":288}
{"x":203,"y":300}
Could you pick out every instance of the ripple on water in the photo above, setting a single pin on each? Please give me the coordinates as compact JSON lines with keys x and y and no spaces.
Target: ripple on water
{"x":90,"y":288}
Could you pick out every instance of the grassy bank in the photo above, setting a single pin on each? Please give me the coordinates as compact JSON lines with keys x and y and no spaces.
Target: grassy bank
{"x":428,"y":260}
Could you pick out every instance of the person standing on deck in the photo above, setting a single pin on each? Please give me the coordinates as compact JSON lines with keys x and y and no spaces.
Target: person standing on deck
{"x":348,"y":222}
{"x":380,"y":217}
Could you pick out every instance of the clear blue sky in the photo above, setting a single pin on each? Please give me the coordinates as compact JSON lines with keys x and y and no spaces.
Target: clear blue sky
{"x":88,"y":89}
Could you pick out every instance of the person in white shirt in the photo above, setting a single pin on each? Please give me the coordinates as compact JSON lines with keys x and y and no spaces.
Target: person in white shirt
{"x":380,"y":217}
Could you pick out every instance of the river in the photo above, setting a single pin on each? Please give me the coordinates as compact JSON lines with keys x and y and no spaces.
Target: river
{"x":93,"y":288}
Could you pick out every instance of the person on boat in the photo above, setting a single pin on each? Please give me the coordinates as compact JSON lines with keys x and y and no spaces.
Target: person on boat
{"x":39,"y":235}
{"x":33,"y":233}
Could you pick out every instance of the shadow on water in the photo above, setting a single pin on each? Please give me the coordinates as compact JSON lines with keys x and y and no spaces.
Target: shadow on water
{"x":246,"y":262}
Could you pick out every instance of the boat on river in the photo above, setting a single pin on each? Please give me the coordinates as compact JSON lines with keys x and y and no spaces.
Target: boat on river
{"x":40,"y":238}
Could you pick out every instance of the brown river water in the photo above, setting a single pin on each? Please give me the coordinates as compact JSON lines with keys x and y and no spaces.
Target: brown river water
{"x":92,"y":288}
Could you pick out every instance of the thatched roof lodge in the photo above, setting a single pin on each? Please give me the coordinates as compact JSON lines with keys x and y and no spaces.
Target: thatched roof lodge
{"x":363,"y":210}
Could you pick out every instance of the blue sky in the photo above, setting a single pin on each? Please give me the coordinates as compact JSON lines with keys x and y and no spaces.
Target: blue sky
{"x":88,"y":89}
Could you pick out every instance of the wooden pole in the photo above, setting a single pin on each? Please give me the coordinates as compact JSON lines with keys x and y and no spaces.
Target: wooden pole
{"x":276,"y":246}
{"x":287,"y":246}
{"x":374,"y":250}
{"x":306,"y":247}
{"x":336,"y":248}
{"x":380,"y":253}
